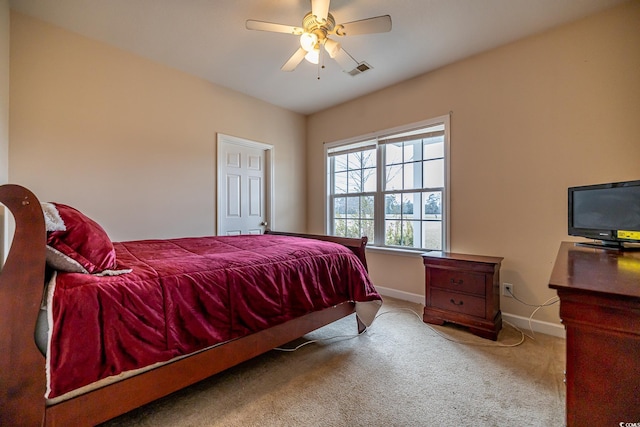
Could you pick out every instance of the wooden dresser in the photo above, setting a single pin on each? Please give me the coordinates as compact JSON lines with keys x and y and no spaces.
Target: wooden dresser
{"x":599,"y":294}
{"x":463,"y":289}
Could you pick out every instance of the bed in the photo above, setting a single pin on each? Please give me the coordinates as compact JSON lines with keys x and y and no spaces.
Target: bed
{"x":123,"y":324}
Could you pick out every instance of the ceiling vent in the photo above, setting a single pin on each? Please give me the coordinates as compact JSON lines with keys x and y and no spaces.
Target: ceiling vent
{"x":361,"y":68}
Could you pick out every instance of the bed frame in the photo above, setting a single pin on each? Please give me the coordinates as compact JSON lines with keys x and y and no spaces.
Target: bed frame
{"x":22,"y":366}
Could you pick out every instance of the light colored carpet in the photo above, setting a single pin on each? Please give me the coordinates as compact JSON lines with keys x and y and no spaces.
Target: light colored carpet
{"x":400,"y":373}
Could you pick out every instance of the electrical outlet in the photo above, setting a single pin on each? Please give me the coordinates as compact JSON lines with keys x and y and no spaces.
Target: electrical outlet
{"x":507,"y":290}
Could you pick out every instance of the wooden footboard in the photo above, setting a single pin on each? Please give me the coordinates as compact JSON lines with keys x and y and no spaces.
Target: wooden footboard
{"x":110,"y":401}
{"x":22,"y":367}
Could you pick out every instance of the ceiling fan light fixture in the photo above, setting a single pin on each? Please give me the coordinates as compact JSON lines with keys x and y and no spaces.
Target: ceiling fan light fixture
{"x":308,"y":41}
{"x":332,"y":47}
{"x":313,"y":56}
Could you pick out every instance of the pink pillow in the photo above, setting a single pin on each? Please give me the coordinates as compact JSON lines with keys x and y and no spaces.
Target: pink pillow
{"x":79,"y":245}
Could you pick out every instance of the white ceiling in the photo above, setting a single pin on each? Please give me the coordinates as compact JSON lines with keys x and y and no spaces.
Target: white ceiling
{"x":208,"y":38}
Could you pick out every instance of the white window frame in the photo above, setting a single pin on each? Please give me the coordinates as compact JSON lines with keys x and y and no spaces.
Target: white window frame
{"x":379,"y":212}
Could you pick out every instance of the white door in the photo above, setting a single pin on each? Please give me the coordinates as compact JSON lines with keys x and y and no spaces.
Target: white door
{"x":243,"y":180}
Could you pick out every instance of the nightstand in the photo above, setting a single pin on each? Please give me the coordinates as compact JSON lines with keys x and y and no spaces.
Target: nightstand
{"x":463,"y":289}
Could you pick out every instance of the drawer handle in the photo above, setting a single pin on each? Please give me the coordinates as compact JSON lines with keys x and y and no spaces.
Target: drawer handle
{"x":456,"y":303}
{"x":457,"y":282}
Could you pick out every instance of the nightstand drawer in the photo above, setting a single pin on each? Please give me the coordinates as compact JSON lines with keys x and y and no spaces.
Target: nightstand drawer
{"x":459,"y":303}
{"x":457,"y":280}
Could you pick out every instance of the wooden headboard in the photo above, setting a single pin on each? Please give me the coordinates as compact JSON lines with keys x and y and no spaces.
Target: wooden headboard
{"x":21,"y":283}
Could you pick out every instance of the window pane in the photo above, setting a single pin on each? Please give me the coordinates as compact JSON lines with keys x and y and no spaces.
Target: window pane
{"x":393,"y":233}
{"x":392,"y":206}
{"x":340,"y":227}
{"x":432,"y":235}
{"x":411,"y":234}
{"x":339,"y":207}
{"x":354,"y":160}
{"x":340,"y":163}
{"x":369,"y":179}
{"x":410,"y":179}
{"x":411,"y":205}
{"x":410,"y":152}
{"x":393,"y":153}
{"x":433,"y":148}
{"x":367,"y":206}
{"x":369,"y":159}
{"x":355,"y":181}
{"x":433,"y":173}
{"x":340,"y":183}
{"x":367,"y":229}
{"x":407,"y":205}
{"x":353,"y":207}
{"x":432,"y":203}
{"x":353,"y":228}
{"x":393,"y":179}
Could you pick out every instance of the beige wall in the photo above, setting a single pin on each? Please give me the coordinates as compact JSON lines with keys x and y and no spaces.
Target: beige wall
{"x":529,"y":119}
{"x":132,"y":143}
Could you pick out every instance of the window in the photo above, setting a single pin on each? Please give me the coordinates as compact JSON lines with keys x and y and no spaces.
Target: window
{"x":391,"y":187}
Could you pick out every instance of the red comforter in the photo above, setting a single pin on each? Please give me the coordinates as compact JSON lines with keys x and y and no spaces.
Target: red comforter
{"x":184,"y":295}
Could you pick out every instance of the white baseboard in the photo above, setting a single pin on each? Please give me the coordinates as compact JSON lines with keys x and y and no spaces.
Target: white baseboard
{"x":540,"y":326}
{"x":402,"y":295}
{"x":521,"y":322}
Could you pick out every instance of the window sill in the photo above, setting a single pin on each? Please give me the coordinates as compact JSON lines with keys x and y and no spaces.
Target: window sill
{"x":396,"y":251}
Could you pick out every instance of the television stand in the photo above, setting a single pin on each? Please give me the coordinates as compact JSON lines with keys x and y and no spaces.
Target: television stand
{"x":600,"y":308}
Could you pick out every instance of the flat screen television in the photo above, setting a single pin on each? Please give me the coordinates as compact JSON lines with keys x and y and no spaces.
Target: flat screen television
{"x":608,"y":213}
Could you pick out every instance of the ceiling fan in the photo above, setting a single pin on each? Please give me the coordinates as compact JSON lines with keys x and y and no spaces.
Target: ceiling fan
{"x":317,"y":26}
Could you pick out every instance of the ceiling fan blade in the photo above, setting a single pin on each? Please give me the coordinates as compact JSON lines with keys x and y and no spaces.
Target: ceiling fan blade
{"x":332,"y":47}
{"x":346,"y":61}
{"x":320,"y":8}
{"x":379,"y":24}
{"x":274,"y":28}
{"x":295,"y":59}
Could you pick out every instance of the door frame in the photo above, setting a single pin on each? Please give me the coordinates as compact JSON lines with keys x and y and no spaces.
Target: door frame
{"x":268,"y":175}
